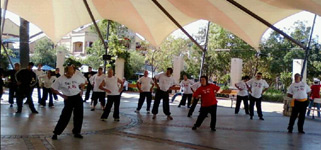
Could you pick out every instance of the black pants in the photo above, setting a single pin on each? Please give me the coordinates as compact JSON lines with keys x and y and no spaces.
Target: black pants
{"x":72,"y":104}
{"x":100,"y":96}
{"x":46,"y":92}
{"x":89,"y":88}
{"x":39,"y":93}
{"x":55,"y":96}
{"x":183,"y":101}
{"x":12,"y":92}
{"x":23,"y":92}
{"x":258,"y":101}
{"x":141,"y":100}
{"x":110,"y":100}
{"x":191,"y":110}
{"x":298,"y":109}
{"x":204,"y":111}
{"x":161,"y":95}
{"x":238,"y":104}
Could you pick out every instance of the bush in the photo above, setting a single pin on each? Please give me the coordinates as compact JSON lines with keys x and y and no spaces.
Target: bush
{"x":273,"y":95}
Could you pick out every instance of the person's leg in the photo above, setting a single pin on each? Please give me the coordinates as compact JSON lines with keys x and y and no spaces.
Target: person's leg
{"x":183,"y":100}
{"x":39,"y":93}
{"x":11,"y":94}
{"x":107,"y":109}
{"x":50,"y":98}
{"x":259,"y":108}
{"x":102,"y":100}
{"x":20,"y":97}
{"x":149,"y":100}
{"x":88,"y":89}
{"x":318,"y":106}
{"x":78,"y":114}
{"x":213,"y":110}
{"x":31,"y":105}
{"x":191,"y":110}
{"x":55,"y":96}
{"x":94,"y":99}
{"x":140,"y":100}
{"x":44,"y":96}
{"x":166,"y":108}
{"x":116,"y":107}
{"x":252,"y":102}
{"x":246,"y":105}
{"x":238,"y":104}
{"x":64,"y":117}
{"x":201,"y":117}
{"x":310,"y":106}
{"x":156,"y":102}
{"x":189,"y":100}
{"x":302,"y":111}
{"x":294,"y":115}
{"x":173,"y":98}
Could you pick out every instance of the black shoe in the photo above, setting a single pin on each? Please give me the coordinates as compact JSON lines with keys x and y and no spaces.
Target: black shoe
{"x":84,"y":100}
{"x":78,"y":136}
{"x":194,"y":128}
{"x":179,"y":106}
{"x":251,"y":117}
{"x":261,"y":118}
{"x":289,"y":131}
{"x":116,"y":119}
{"x":35,"y":112}
{"x":18,"y":112}
{"x":302,"y":132}
{"x":213,"y":129}
{"x":92,"y":109}
{"x":54,"y":137}
{"x":11,"y":105}
{"x":189,"y":115}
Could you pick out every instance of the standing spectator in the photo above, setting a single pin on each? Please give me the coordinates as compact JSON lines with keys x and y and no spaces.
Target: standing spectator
{"x":39,"y":73}
{"x":195,"y":100}
{"x":12,"y":82}
{"x":145,"y":86}
{"x":57,"y":74}
{"x":26,"y":80}
{"x":165,"y":83}
{"x":47,"y":82}
{"x":315,"y":93}
{"x":96,"y":80}
{"x":243,"y":94}
{"x":88,"y":74}
{"x":209,"y":103}
{"x":71,"y":86}
{"x":298,"y":91}
{"x":110,"y":86}
{"x":257,"y":87}
{"x":187,"y":92}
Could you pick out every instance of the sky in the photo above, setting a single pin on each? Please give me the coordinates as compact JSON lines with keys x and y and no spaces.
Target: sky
{"x":194,"y":27}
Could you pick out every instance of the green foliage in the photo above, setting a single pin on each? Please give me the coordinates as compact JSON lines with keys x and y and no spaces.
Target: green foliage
{"x":4,"y":63}
{"x":44,"y":53}
{"x":286,"y":78}
{"x":273,"y":95}
{"x":72,"y":61}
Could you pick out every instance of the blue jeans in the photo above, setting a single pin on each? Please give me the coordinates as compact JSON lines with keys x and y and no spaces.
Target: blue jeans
{"x":310,"y":105}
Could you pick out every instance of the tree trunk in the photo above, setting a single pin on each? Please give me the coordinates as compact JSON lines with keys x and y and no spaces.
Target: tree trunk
{"x":24,"y":43}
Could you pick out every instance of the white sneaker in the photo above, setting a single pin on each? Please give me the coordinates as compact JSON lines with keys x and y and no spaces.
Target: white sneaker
{"x":42,"y":106}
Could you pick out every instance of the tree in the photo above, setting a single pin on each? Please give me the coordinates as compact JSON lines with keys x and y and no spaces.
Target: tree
{"x":44,"y":53}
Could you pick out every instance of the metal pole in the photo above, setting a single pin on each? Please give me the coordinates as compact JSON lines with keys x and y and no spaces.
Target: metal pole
{"x":308,"y":48}
{"x":205,"y":48}
{"x":266,"y":23}
{"x":95,"y":24}
{"x":177,"y":24}
{"x":2,"y":28}
{"x":106,"y":52}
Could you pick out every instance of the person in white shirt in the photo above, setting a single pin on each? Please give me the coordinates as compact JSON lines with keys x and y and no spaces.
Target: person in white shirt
{"x":39,"y":73}
{"x":145,"y":86}
{"x":256,"y":86}
{"x":47,"y":82}
{"x":165,"y":83}
{"x":110,"y":86}
{"x":95,"y":81}
{"x":71,"y":85}
{"x":242,"y":94}
{"x":187,"y":92}
{"x":298,"y":91}
{"x":194,"y":87}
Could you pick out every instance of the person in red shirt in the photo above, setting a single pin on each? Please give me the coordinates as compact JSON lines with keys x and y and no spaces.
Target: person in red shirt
{"x":209,"y":103}
{"x":315,"y":93}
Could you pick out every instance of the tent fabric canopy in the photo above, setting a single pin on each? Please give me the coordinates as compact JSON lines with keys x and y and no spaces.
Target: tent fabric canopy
{"x":57,"y":18}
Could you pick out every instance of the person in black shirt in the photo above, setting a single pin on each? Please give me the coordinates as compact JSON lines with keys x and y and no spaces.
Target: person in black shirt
{"x":89,"y":86}
{"x":26,"y":80}
{"x":12,"y":82}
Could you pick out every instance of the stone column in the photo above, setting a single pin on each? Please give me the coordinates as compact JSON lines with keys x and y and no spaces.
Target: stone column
{"x":297,"y":68}
{"x":236,"y":71}
{"x":178,"y":66}
{"x":60,"y":61}
{"x":119,"y":68}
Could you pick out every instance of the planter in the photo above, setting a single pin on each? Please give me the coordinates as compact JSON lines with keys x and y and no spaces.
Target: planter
{"x":287,"y":109}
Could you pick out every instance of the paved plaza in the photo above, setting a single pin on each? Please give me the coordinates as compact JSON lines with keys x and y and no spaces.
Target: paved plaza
{"x":27,"y":131}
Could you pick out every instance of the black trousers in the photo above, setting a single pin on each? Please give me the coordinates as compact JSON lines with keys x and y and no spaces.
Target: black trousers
{"x":110,"y":100}
{"x":46,"y":92}
{"x":100,"y":96}
{"x":55,"y":96}
{"x":12,"y":91}
{"x":72,"y":104}
{"x":89,"y":88}
{"x":39,"y":93}
{"x":23,"y":92}
{"x":141,"y":100}
{"x":204,"y":111}
{"x":239,"y":99}
{"x":158,"y":96}
{"x":298,"y":109}
{"x":191,"y":110}
{"x":183,"y":101}
{"x":258,"y":101}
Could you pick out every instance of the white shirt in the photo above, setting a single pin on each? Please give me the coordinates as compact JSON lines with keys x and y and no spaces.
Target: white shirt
{"x":39,"y":74}
{"x":48,"y":82}
{"x":196,"y":86}
{"x":111,"y":84}
{"x":146,"y":83}
{"x":299,"y":90}
{"x":186,"y":86}
{"x":125,"y":85}
{"x":257,"y":87}
{"x":68,"y":86}
{"x":243,"y":87}
{"x":165,"y":82}
{"x":96,"y":80}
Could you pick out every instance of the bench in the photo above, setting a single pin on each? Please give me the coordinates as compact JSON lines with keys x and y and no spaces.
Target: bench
{"x":232,"y":94}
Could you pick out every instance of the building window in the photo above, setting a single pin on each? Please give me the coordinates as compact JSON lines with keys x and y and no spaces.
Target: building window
{"x":78,"y":47}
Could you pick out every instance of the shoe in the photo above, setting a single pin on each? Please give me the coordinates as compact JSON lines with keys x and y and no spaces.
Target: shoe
{"x":103,"y":119}
{"x":302,"y":132}
{"x":179,"y":106}
{"x":116,"y":119}
{"x":289,"y":131}
{"x":154,"y":116}
{"x":136,"y":111}
{"x":189,"y":115}
{"x":78,"y":136}
{"x":35,"y":112}
{"x":54,"y":137}
{"x":148,"y":112}
{"x":92,"y":109}
{"x":42,"y":106}
{"x":85,"y":101}
{"x":261,"y":118}
{"x":194,"y":128}
{"x":169,"y":117}
{"x":251,"y":117}
{"x":11,"y":105}
{"x":236,"y":113}
{"x":52,"y":106}
{"x":56,"y":99}
{"x":18,"y":112}
{"x":213,"y":129}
